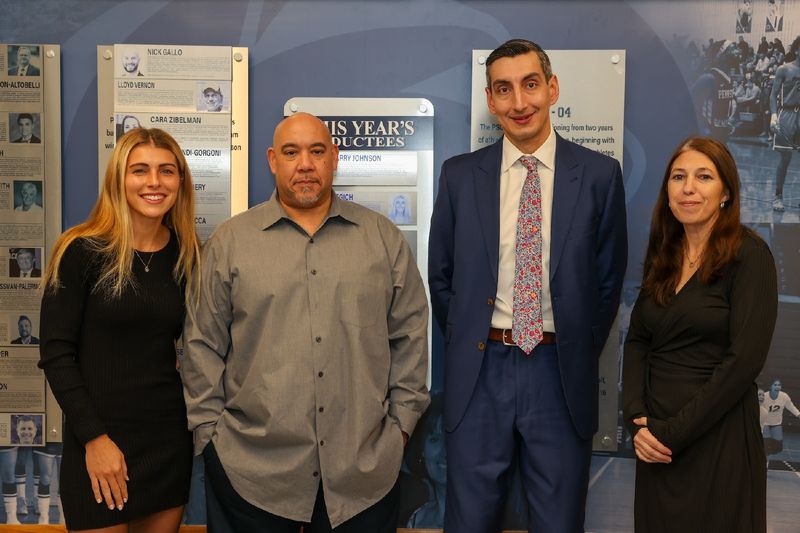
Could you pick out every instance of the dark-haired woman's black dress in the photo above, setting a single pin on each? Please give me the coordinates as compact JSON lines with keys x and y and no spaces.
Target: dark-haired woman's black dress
{"x":690,"y":367}
{"x":111,"y":366}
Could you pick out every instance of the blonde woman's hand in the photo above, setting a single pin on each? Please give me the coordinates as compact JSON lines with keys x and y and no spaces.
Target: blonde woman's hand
{"x":108,"y":472}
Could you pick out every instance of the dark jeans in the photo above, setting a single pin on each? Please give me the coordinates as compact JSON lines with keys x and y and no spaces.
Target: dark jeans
{"x":230,"y":513}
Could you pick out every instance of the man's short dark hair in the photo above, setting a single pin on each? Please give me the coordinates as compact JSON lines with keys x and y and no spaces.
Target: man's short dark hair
{"x":24,"y":115}
{"x":27,"y":418}
{"x":518,"y":47}
{"x":24,"y":317}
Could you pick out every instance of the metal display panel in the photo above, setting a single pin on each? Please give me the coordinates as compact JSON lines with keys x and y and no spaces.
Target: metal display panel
{"x":30,"y":222}
{"x":199,"y":95}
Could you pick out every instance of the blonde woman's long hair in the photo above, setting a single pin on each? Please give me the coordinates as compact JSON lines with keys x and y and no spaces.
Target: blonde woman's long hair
{"x":109,"y":229}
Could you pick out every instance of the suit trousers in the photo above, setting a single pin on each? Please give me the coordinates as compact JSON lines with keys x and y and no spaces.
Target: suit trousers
{"x":517,"y":411}
{"x":230,"y":513}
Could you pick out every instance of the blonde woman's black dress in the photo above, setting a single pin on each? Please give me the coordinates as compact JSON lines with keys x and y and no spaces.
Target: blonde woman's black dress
{"x":111,"y":365}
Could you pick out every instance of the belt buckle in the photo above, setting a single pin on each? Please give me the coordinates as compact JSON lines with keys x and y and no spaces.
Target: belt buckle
{"x":510,"y":336}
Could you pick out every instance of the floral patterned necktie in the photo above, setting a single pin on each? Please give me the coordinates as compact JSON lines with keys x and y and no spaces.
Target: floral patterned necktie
{"x":526,"y":329}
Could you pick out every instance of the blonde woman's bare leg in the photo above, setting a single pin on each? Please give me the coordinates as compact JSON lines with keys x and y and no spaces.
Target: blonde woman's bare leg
{"x":166,"y":521}
{"x":120,"y":528}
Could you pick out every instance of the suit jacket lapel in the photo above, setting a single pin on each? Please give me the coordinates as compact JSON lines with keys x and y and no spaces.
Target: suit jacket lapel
{"x":487,"y":196}
{"x":566,"y":187}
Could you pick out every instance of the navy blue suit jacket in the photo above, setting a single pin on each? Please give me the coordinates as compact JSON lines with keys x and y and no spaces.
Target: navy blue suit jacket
{"x":588,"y":256}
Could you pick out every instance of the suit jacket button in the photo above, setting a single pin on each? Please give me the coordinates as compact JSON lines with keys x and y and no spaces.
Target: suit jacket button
{"x":490,"y":301}
{"x":481,"y":346}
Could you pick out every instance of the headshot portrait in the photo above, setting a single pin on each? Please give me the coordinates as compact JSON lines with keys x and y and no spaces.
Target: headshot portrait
{"x":27,"y":196}
{"x":19,"y":60}
{"x":211,"y":100}
{"x":126,"y":123}
{"x":130,"y":61}
{"x":24,"y":263}
{"x":25,"y":126}
{"x":25,"y":327}
{"x":400,"y":210}
{"x":27,"y":430}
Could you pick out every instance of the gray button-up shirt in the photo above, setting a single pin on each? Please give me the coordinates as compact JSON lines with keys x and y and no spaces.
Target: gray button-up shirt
{"x":305,"y":357}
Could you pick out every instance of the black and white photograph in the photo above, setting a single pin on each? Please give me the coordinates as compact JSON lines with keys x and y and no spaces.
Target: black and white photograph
{"x":774,"y":21}
{"x":25,"y":262}
{"x":747,"y":95}
{"x":23,"y":60}
{"x":126,"y":123}
{"x":27,"y":196}
{"x":24,"y":326}
{"x":26,"y":429}
{"x":130,"y":61}
{"x":744,"y":16}
{"x":211,"y":98}
{"x":25,"y":128}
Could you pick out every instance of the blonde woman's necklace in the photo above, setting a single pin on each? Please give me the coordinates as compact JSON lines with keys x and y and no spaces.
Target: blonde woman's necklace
{"x":149,"y":260}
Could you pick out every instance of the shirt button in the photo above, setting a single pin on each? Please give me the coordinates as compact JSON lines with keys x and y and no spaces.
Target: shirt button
{"x":490,"y":301}
{"x":313,"y":272}
{"x":321,"y":374}
{"x":311,"y":240}
{"x":318,"y":339}
{"x":322,"y":443}
{"x":315,"y":474}
{"x":481,"y":346}
{"x":321,"y":409}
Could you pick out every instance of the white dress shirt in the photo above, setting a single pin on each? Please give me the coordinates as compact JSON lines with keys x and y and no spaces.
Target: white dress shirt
{"x":512,"y":177}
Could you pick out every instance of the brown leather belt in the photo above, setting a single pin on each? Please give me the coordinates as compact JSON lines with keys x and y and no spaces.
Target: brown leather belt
{"x":504,"y":336}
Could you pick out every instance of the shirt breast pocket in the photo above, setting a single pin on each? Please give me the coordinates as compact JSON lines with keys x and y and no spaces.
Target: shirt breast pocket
{"x":359,"y":304}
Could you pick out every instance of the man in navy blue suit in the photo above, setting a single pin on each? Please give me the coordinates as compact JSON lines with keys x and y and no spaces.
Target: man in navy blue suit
{"x":502,"y":403}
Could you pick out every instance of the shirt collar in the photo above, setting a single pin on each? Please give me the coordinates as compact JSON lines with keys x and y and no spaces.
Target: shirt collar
{"x":546,"y":153}
{"x":274,"y":211}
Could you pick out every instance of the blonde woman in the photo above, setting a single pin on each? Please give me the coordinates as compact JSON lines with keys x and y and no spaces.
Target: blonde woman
{"x":112,"y":309}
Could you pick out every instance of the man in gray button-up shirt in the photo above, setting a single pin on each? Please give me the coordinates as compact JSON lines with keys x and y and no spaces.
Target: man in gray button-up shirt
{"x":306,"y":355}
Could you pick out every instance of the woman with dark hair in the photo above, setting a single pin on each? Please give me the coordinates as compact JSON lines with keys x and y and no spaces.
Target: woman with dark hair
{"x":112,"y":310}
{"x":698,"y":338}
